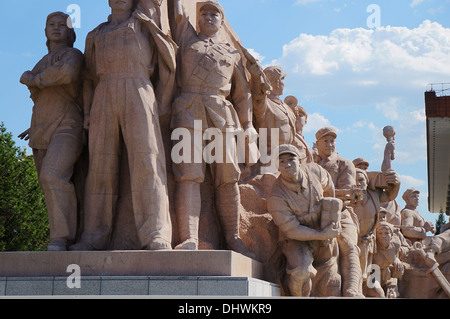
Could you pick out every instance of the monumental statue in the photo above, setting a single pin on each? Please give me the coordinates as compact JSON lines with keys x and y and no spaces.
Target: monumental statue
{"x":415,"y":227}
{"x":303,"y":206}
{"x":387,"y":256}
{"x":122,"y":112}
{"x":56,"y":134}
{"x":161,"y":69}
{"x":343,"y":174}
{"x":210,"y":70}
{"x":368,"y":210}
{"x":301,"y":119}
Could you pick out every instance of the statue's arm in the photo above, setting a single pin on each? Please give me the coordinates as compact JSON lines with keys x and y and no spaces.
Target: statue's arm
{"x":412,"y":231}
{"x":288,"y":223}
{"x":65,"y":71}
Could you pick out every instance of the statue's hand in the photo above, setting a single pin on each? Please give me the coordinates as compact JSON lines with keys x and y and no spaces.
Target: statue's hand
{"x":25,"y":135}
{"x":27,"y":78}
{"x":251,"y":133}
{"x":332,"y":231}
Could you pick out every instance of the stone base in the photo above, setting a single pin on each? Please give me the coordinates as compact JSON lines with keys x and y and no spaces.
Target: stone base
{"x":138,"y":273}
{"x":138,"y":286}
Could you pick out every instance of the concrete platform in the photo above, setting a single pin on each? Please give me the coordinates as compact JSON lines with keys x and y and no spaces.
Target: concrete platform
{"x":140,"y":273}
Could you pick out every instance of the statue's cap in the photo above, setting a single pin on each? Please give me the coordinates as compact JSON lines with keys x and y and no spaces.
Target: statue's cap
{"x":326,"y":131}
{"x":385,"y":224}
{"x":291,"y":149}
{"x":409,"y":192}
{"x":360,"y":160}
{"x":201,"y":5}
{"x":274,"y":73}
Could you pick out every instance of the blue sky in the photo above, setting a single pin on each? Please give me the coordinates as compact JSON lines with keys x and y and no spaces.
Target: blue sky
{"x":344,"y":72}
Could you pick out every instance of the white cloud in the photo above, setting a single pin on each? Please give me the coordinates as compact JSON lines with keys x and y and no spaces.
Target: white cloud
{"x":256,"y":55}
{"x":415,"y":3}
{"x":409,"y":181}
{"x":419,"y":115}
{"x":389,"y":108}
{"x":350,"y":67}
{"x":316,"y":122}
{"x":365,"y":79}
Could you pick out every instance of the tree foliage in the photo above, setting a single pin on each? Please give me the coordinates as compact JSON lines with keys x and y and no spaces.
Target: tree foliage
{"x":440,"y":222}
{"x":23,"y":214}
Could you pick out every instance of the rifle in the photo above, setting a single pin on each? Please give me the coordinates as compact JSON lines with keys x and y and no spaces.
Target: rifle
{"x":350,"y":195}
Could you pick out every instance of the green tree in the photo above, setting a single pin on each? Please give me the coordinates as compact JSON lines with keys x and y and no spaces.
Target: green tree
{"x":23,"y":214}
{"x":440,"y":222}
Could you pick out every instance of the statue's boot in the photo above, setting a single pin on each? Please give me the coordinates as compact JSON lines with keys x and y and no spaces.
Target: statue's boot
{"x":227,"y":207}
{"x":351,"y":275}
{"x":188,"y":204}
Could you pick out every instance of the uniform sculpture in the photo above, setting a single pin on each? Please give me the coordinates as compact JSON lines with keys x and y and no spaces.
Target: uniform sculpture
{"x":210,"y":70}
{"x":122,"y":113}
{"x":56,"y":132}
{"x":302,"y":207}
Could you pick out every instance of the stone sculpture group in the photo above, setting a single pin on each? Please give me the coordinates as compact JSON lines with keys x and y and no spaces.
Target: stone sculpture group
{"x":104,"y":130}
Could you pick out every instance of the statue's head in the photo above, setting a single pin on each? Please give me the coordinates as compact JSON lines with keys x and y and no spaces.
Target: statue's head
{"x":211,"y":17}
{"x":362,"y":180}
{"x":59,"y":29}
{"x":384,"y":234}
{"x":326,"y":141}
{"x":301,"y":117}
{"x":411,"y":197}
{"x":276,"y":77}
{"x":289,"y":161}
{"x":361,"y":163}
{"x":389,"y":133}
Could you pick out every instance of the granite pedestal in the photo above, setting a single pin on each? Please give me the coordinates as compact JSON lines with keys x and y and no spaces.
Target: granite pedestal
{"x":139,"y":273}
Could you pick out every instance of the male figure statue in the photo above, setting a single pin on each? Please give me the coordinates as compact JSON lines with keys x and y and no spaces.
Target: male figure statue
{"x":301,"y":116}
{"x":122,"y":111}
{"x":56,"y":132}
{"x":388,"y":258}
{"x":343,"y":174}
{"x":368,"y":210}
{"x":308,"y":222}
{"x":415,"y":227}
{"x":271,"y":112}
{"x":210,"y":74}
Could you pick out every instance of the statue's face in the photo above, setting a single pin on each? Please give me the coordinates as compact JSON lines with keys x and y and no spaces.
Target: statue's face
{"x":384,"y":237}
{"x":300,"y":122}
{"x":121,"y":5}
{"x":326,"y":145}
{"x":278,"y":86}
{"x":413,"y":200}
{"x":361,"y":181}
{"x":210,"y":21}
{"x":289,"y":166}
{"x":56,"y":29}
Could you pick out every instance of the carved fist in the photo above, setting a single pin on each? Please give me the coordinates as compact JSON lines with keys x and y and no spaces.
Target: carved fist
{"x":27,"y":78}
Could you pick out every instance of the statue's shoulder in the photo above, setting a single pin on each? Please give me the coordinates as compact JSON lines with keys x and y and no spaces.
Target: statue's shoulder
{"x":97,"y":30}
